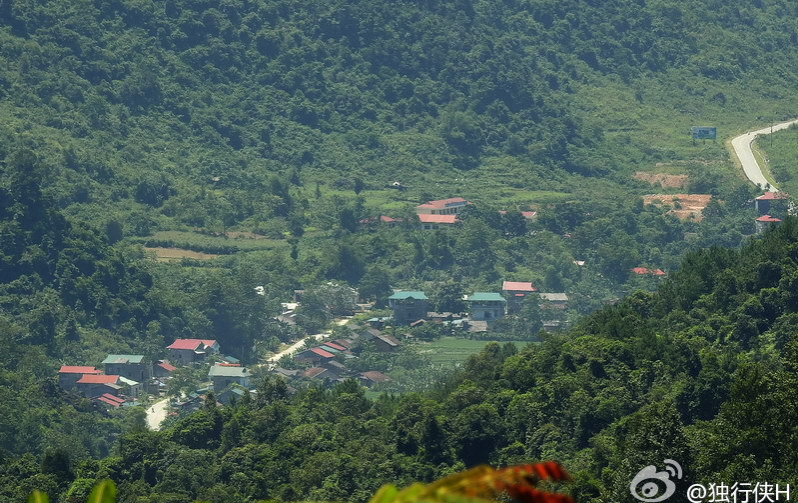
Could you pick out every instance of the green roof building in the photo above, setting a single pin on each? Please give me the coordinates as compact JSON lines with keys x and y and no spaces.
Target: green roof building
{"x":132,"y":367}
{"x":485,"y":306}
{"x":408,"y":307}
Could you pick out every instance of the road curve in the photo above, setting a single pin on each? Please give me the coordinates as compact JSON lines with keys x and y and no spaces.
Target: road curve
{"x":156,"y":413}
{"x":742,"y":148}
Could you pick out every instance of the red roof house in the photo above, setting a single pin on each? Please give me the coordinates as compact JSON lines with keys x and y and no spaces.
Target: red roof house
{"x":190,"y":350}
{"x":429,"y":222}
{"x":518,"y":287}
{"x":335,"y":346}
{"x":98,"y":379}
{"x":451,"y":206}
{"x":640,"y":270}
{"x":68,"y":375}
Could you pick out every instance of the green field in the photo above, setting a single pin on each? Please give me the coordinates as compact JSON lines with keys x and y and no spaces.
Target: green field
{"x":209,"y":244}
{"x":454,"y":350}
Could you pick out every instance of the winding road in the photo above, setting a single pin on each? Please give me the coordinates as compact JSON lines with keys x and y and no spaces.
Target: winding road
{"x":742,"y":148}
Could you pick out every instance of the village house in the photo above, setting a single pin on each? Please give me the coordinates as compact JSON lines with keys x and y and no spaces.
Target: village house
{"x":223,"y":376}
{"x":110,"y":400}
{"x":232,"y":394}
{"x":130,"y":366}
{"x":515,"y":292}
{"x":313,"y":355}
{"x":451,"y":206}
{"x":185,"y":351}
{"x":94,"y":385}
{"x":385,"y":343}
{"x":484,"y":306}
{"x":408,"y":307}
{"x":319,"y":373}
{"x":553,"y":301}
{"x":68,"y":375}
{"x":372,"y":377}
{"x":163,"y":369}
{"x":765,"y":221}
{"x":769,"y":200}
{"x":433,"y":222}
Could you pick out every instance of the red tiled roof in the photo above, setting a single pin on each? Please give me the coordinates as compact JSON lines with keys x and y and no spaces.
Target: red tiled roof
{"x":768,"y":196}
{"x":191,"y":344}
{"x":226,"y":364}
{"x":109,"y":401}
{"x":335,"y":346}
{"x":323,"y":353}
{"x":313,"y":372}
{"x":768,"y":218}
{"x":442,"y":203}
{"x":640,"y":270}
{"x":519,"y":286}
{"x":375,"y":376}
{"x":98,"y":379}
{"x":437,"y":219}
{"x":68,"y":369}
{"x":112,"y":397}
{"x":529,"y":214}
{"x":382,"y":218}
{"x":658,"y":272}
{"x":167,"y":366}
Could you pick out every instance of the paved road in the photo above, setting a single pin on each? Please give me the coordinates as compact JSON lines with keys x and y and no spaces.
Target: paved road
{"x":301,"y":342}
{"x":742,"y":147}
{"x":156,"y":413}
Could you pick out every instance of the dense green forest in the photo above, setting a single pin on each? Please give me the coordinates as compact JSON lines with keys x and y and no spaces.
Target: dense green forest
{"x":260,"y":133}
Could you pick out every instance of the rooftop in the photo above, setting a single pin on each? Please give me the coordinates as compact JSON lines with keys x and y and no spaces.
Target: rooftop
{"x":439,"y":204}
{"x":219,"y":371}
{"x":71,"y":369}
{"x":191,"y":344}
{"x":167,"y":366}
{"x":561,"y":297}
{"x":335,"y":346}
{"x":768,"y":196}
{"x":375,"y":376}
{"x":123,"y":359}
{"x":129,"y":382}
{"x":768,"y":218}
{"x":98,"y":379}
{"x":408,"y":295}
{"x":485,"y":297}
{"x":518,"y":286}
{"x":437,"y":219}
{"x":322,"y":353}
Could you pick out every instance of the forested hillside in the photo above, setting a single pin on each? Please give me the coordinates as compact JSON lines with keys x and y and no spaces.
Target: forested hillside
{"x":254,"y":138}
{"x":140,"y":105}
{"x":702,"y":372}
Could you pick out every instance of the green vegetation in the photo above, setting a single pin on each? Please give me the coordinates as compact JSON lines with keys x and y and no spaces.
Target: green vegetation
{"x":448,"y":350}
{"x":188,"y":124}
{"x":782,"y":158}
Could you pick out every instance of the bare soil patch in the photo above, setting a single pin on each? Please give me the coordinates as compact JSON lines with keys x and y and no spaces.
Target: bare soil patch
{"x":684,"y":206}
{"x":664,"y":180}
{"x":166,"y":254}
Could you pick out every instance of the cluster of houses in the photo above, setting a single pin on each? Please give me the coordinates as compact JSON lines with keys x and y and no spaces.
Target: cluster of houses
{"x":123,"y":378}
{"x":328,"y":360}
{"x":412,"y":307}
{"x":765,"y":204}
{"x":437,"y":214}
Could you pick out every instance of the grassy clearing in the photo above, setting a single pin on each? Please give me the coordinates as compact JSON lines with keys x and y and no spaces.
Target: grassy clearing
{"x":172,"y":254}
{"x":782,"y":157}
{"x":194,"y":241}
{"x":453,"y":349}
